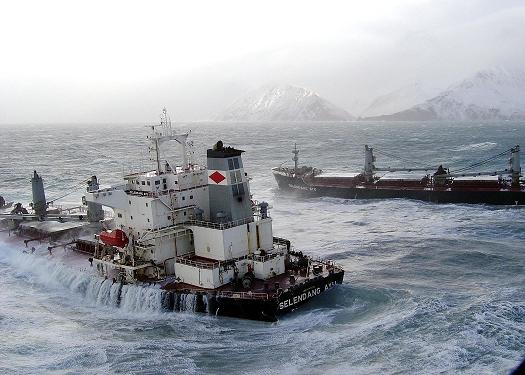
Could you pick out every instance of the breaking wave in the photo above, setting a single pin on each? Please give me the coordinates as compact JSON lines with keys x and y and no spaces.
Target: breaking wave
{"x":96,"y":290}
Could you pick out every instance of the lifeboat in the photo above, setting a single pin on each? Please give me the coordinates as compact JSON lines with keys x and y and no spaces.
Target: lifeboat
{"x":114,"y":238}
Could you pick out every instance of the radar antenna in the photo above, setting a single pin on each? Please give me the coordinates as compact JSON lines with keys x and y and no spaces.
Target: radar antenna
{"x":163,"y":133}
{"x":158,"y":132}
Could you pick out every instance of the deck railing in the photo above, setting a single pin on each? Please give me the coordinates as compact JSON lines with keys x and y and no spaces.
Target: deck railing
{"x":196,"y":263}
{"x":243,"y":295}
{"x":207,"y":265}
{"x":264,"y":258}
{"x":221,"y":226}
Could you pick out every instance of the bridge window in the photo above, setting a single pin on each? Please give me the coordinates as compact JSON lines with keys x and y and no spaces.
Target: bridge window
{"x":233,"y":163}
{"x":235,"y":177}
{"x":238,"y":190}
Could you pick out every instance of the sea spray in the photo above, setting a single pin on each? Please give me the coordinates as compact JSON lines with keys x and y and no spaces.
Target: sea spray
{"x":189,"y":302}
{"x":141,"y":298}
{"x":99,"y":291}
{"x":92,"y":288}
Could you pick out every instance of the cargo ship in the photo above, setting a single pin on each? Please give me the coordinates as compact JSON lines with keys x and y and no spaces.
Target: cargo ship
{"x":433,"y":184}
{"x":193,"y":231}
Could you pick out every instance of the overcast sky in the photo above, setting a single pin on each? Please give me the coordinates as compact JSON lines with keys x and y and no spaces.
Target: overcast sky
{"x":106,"y":61}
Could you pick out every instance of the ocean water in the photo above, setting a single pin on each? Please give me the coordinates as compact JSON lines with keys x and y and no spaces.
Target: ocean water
{"x":428,"y":288}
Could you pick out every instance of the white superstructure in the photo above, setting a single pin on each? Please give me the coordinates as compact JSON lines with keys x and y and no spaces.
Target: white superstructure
{"x":195,"y":224}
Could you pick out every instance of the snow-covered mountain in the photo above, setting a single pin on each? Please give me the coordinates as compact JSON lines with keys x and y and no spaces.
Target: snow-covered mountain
{"x":283,"y":103}
{"x":492,"y":94}
{"x":400,"y":99}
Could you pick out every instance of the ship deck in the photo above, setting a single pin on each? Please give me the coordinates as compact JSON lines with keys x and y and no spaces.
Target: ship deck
{"x":434,"y":188}
{"x":412,"y":180}
{"x":414,"y":185}
{"x":264,"y":289}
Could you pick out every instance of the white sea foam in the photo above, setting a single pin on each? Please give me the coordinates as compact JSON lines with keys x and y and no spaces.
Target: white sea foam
{"x":140,"y":298}
{"x":95,"y":290}
{"x":476,"y":146}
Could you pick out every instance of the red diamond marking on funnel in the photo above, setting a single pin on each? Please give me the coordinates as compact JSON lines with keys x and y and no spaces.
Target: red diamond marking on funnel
{"x":217,"y":177}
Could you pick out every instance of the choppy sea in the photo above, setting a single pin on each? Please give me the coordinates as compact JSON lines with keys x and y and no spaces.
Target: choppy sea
{"x":428,"y":288}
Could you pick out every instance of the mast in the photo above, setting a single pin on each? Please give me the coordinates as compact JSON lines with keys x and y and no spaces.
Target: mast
{"x":39,"y":196}
{"x":163,"y":133}
{"x":369,"y":163}
{"x":165,"y":125}
{"x":181,"y":139}
{"x":165,"y":122}
{"x":155,"y":138}
{"x":515,"y":166}
{"x":295,"y":158}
